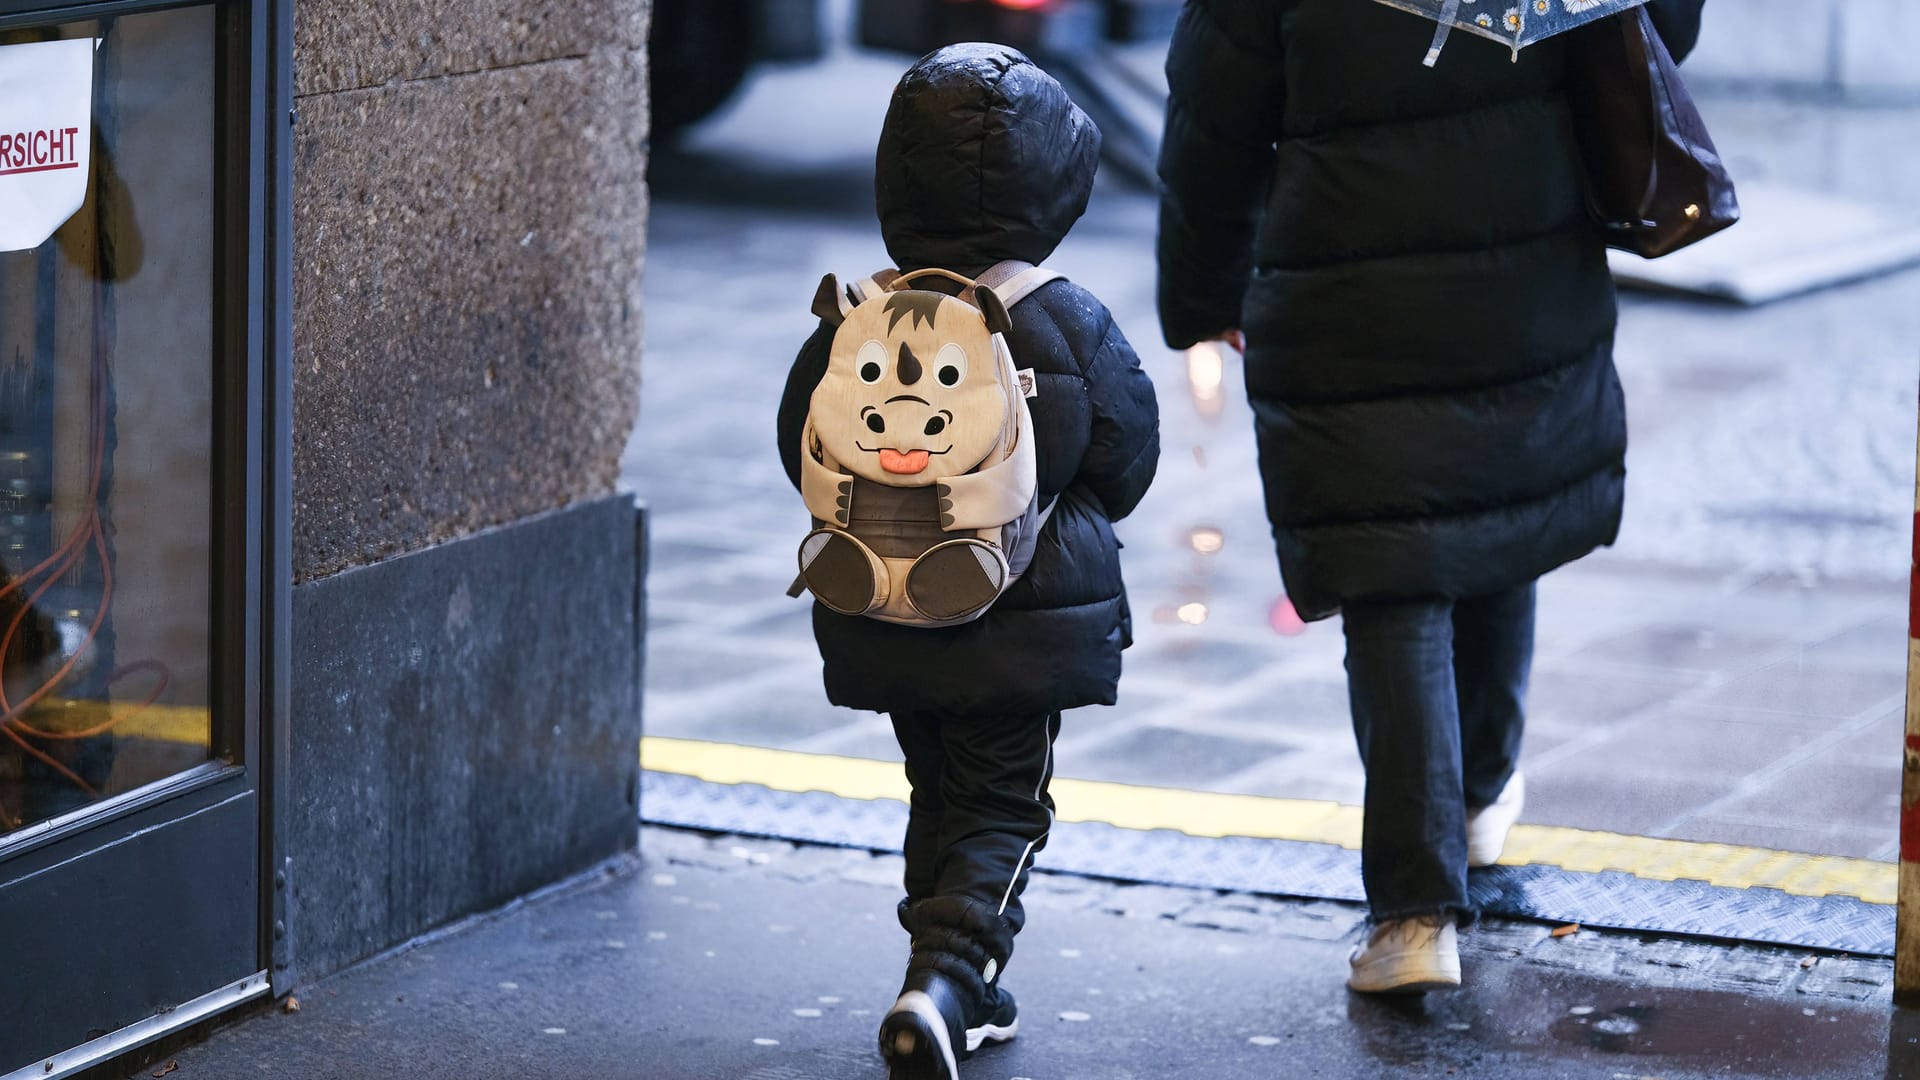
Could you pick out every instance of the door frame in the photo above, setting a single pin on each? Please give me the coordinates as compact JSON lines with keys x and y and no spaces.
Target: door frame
{"x":239,"y":793}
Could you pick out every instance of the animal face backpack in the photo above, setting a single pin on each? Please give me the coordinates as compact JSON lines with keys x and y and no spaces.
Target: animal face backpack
{"x":917,"y":459}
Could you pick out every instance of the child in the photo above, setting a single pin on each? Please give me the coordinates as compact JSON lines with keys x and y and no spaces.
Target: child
{"x":983,"y":158}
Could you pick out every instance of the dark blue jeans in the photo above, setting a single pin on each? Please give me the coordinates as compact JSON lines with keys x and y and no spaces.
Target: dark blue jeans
{"x":1438,"y":690}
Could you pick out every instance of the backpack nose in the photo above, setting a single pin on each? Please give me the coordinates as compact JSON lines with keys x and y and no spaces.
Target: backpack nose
{"x":909,"y":366}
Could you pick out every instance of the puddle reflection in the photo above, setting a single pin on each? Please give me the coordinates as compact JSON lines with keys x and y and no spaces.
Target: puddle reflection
{"x":1205,"y":367}
{"x":1903,"y":1044}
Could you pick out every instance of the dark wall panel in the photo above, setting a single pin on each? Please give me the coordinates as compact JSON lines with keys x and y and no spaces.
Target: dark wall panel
{"x":465,"y":728}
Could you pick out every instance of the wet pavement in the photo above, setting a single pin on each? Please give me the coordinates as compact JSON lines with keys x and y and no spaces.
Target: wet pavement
{"x":1740,"y":655}
{"x":738,"y":959}
{"x":1733,"y":670}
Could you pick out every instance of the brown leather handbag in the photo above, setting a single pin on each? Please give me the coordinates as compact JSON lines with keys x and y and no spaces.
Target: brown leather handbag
{"x":1654,"y":179}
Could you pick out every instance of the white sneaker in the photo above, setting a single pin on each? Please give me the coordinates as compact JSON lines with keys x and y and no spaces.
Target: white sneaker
{"x":1488,"y":826}
{"x":1408,"y":956}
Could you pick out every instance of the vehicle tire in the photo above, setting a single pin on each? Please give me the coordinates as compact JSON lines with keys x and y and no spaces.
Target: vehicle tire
{"x":697,"y":56}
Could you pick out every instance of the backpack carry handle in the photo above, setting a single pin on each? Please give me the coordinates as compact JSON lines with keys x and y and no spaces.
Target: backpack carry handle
{"x":901,"y":281}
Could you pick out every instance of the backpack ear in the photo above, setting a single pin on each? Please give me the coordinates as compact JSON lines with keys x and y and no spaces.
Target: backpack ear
{"x":829,"y":303}
{"x":993,"y":309}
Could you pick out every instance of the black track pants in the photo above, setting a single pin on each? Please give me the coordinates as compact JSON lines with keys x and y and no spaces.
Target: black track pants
{"x":980,"y":809}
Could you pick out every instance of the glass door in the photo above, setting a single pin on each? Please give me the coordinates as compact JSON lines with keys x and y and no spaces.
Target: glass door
{"x":131,"y":443}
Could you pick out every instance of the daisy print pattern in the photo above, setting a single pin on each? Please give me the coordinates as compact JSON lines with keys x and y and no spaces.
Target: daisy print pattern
{"x":1513,"y":20}
{"x":1578,"y":7}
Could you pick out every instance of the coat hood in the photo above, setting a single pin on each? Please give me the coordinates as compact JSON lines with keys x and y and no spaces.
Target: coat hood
{"x":983,"y":157}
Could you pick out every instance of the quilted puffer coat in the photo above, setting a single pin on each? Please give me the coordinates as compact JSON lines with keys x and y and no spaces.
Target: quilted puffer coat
{"x":1428,"y":311}
{"x":983,"y":158}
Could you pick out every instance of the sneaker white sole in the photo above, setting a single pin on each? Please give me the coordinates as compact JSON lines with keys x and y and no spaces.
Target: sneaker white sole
{"x":905,"y":1047}
{"x":1488,"y":828}
{"x":1487,"y":854}
{"x":1406,"y":974}
{"x":977,"y":1036}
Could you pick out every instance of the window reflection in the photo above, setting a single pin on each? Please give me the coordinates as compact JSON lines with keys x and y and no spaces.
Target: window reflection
{"x":106,"y":413}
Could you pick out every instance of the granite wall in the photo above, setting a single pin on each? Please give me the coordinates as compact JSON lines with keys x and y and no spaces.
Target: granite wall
{"x":469,"y":227}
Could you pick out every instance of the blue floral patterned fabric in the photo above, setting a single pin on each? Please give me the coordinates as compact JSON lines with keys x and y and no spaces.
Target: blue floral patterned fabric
{"x":1518,"y":23}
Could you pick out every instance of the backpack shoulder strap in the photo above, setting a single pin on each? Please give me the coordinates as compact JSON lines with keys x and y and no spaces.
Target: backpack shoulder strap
{"x":1013,"y":281}
{"x":869,"y":287}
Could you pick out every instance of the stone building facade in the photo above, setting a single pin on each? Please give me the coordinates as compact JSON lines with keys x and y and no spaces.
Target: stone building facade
{"x":469,"y":221}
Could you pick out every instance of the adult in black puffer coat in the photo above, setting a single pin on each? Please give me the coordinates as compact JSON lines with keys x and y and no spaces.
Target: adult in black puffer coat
{"x":984,"y":158}
{"x":1428,"y":322}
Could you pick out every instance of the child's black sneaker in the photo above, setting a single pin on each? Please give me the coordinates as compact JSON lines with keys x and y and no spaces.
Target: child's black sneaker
{"x":997,"y":1020}
{"x":925,"y":1034}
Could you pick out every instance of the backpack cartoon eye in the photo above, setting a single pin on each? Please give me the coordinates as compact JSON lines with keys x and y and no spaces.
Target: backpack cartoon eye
{"x":917,"y":458}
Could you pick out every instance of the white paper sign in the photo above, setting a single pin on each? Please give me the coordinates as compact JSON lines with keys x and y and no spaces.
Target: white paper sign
{"x":46,"y":137}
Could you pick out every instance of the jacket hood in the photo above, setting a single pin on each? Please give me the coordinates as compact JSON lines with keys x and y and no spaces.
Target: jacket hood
{"x":983,"y":157}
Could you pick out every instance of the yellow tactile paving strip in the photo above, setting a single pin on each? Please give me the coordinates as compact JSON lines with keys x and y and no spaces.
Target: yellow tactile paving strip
{"x":1196,"y":813}
{"x":1200,"y":813}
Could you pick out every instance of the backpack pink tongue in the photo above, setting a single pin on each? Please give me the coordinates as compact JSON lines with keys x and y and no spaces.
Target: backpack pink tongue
{"x":906,"y":464}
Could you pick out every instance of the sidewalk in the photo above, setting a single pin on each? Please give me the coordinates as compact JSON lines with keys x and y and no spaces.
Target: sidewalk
{"x":1740,"y":654}
{"x":730,"y":959}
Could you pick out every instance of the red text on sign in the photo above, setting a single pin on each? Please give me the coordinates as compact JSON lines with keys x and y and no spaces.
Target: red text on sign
{"x":39,"y":150}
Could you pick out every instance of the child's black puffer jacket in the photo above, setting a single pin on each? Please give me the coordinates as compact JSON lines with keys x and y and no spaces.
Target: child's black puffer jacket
{"x":984,"y":158}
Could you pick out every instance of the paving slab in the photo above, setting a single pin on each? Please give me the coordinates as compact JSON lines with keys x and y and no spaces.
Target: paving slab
{"x":717,"y":957}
